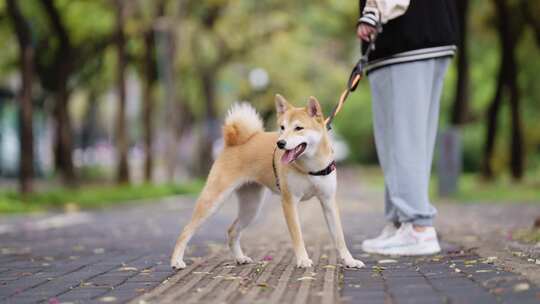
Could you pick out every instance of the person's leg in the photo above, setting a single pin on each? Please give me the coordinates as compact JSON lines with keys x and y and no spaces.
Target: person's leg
{"x":381,"y":123}
{"x":408,"y":104}
{"x":390,"y":211}
{"x":441,"y":66}
{"x":405,"y":123}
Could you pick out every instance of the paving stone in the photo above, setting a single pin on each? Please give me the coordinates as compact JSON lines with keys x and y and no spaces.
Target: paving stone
{"x":108,"y":280}
{"x":127,"y":291}
{"x":25,"y":299}
{"x":351,"y":297}
{"x":5,"y":291}
{"x":465,"y":299}
{"x":421,"y":299}
{"x":149,"y":277}
{"x":129,"y":248}
{"x":409,"y":275}
{"x":82,"y":293}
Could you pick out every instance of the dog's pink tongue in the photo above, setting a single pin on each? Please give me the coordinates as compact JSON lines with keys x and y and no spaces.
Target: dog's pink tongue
{"x":287,"y":157}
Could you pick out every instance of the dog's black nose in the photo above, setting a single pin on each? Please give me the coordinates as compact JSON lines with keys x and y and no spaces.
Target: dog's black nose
{"x":281,"y":144}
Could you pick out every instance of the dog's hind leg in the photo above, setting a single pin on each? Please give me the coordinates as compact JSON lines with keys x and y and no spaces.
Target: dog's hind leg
{"x":216,"y":190}
{"x":250,"y":200}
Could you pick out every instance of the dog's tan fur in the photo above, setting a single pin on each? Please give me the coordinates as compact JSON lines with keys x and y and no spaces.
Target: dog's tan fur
{"x":245,"y":167}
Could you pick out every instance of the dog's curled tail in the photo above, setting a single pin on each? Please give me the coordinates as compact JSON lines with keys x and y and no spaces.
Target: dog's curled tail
{"x":241,"y":123}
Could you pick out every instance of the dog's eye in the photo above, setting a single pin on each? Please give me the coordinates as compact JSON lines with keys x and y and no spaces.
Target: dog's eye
{"x":299,"y":128}
{"x":282,"y":128}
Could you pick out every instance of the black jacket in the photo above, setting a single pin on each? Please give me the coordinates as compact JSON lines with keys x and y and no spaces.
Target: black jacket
{"x":426,"y":30}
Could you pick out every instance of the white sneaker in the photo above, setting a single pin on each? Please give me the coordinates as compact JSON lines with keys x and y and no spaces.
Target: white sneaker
{"x":372,"y":244}
{"x":407,"y":241}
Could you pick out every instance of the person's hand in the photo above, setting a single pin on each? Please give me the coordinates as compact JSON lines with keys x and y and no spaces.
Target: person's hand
{"x":365,"y":31}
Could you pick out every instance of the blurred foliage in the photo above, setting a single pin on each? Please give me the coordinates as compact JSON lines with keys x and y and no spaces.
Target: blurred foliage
{"x":315,"y":57}
{"x":531,"y":236}
{"x":91,"y":197}
{"x":472,"y":188}
{"x":306,"y":47}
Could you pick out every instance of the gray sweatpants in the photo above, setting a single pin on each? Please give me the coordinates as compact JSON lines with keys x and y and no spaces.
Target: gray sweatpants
{"x":405,"y":116}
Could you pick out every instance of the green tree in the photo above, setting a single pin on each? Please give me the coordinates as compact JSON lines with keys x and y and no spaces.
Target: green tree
{"x":461,"y":100}
{"x":510,"y":31}
{"x":26,"y":66}
{"x":65,"y":53}
{"x":122,"y":142}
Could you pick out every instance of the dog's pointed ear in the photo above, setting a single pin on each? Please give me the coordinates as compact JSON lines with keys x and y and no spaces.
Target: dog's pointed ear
{"x":281,"y":104}
{"x":314,"y":107}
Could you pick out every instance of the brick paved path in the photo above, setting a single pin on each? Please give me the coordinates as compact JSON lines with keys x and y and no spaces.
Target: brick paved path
{"x":122,"y":255}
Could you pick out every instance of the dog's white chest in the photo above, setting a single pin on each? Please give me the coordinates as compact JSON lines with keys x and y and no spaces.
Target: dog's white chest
{"x":307,"y":186}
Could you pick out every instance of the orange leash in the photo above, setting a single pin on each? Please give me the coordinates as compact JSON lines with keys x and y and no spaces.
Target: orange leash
{"x":355,"y":77}
{"x":342,"y":99}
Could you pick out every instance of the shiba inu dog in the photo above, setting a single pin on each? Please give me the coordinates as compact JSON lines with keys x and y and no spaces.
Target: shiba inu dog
{"x":297,"y":162}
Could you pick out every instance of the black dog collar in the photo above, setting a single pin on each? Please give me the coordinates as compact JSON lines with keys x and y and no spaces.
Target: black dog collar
{"x":331,"y":167}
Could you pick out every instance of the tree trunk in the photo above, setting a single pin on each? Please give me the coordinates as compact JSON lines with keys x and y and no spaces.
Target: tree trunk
{"x":210,"y":129}
{"x":460,"y":108}
{"x":64,"y":134}
{"x":509,"y":37}
{"x":26,"y":61}
{"x":516,"y":142}
{"x":26,"y":134}
{"x":491,"y":127}
{"x":507,"y":82}
{"x":122,"y":144}
{"x":90,"y":131}
{"x":63,"y":61}
{"x":171,"y":144}
{"x":148,"y":107}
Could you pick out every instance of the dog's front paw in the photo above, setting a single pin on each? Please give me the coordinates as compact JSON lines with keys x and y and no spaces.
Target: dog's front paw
{"x":178,"y":264}
{"x":304,"y":263}
{"x":243,"y":260}
{"x":354,"y":263}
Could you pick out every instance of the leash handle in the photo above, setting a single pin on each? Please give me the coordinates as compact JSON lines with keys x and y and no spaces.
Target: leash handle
{"x":356,"y":75}
{"x":362,"y":62}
